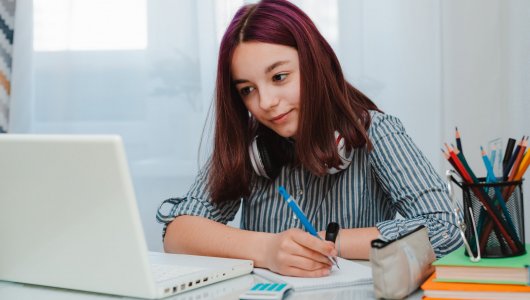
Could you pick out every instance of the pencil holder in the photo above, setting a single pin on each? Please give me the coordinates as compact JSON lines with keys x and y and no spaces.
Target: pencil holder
{"x":500,"y":230}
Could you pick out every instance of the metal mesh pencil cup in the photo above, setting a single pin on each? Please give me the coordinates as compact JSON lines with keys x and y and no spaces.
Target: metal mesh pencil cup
{"x":503,"y":237}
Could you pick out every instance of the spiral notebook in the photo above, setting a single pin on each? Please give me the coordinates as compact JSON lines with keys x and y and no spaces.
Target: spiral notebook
{"x":349,"y":274}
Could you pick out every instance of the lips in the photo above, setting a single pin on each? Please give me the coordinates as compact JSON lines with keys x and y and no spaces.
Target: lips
{"x":280,"y":117}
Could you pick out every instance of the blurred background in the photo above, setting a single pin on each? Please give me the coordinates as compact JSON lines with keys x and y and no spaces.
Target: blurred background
{"x":145,"y":69}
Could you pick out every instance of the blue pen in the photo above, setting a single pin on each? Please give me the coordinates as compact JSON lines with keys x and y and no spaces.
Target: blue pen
{"x":301,"y":216}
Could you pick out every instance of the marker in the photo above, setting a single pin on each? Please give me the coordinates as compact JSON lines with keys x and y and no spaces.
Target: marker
{"x":301,"y":216}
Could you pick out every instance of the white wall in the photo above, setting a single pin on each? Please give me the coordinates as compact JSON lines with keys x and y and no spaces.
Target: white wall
{"x":486,"y":63}
{"x":392,"y":51}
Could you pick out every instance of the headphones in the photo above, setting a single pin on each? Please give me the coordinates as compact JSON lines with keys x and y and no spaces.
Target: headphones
{"x":268,"y":162}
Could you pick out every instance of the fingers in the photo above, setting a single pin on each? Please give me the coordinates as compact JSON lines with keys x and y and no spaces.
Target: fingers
{"x":297,"y":272}
{"x":307,"y":253}
{"x":299,"y":266}
{"x":307,"y":264}
{"x":297,"y":253}
{"x":326,"y":248}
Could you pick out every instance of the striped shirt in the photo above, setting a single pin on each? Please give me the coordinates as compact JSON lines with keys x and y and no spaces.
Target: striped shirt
{"x":395,"y":177}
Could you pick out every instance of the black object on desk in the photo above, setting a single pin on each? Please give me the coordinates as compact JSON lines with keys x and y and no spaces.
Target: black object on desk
{"x":332,"y":231}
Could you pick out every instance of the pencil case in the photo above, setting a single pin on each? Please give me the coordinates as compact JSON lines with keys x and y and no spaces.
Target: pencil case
{"x":400,"y":266}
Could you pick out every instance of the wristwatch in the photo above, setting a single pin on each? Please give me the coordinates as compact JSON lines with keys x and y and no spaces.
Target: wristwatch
{"x":332,"y":231}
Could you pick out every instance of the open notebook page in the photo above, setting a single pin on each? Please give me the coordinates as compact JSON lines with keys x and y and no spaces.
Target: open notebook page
{"x":350,"y":273}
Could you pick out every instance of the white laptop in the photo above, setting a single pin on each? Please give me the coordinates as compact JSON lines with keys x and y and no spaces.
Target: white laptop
{"x":69,"y":219}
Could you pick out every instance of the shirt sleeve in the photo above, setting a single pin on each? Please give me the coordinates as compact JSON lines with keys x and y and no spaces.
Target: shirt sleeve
{"x":414,"y":188}
{"x":197,"y":202}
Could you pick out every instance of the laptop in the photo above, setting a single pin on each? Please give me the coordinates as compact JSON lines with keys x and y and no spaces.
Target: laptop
{"x":69,"y":219}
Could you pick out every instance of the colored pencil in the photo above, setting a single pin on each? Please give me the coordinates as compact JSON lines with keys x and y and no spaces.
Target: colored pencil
{"x":498,"y":194}
{"x":513,"y":243}
{"x":512,"y":160}
{"x":463,"y":160}
{"x":513,"y":164}
{"x":508,"y":153}
{"x":523,"y":166}
{"x":458,"y":140}
{"x":513,"y":174}
{"x":493,"y":156}
{"x":518,"y":159}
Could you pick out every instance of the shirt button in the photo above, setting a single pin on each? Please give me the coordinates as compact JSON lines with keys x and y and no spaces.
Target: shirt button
{"x":300,"y":192}
{"x":445,"y":235}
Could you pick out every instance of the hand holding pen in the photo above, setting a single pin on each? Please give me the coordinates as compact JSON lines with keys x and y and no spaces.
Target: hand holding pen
{"x":301,"y":216}
{"x":295,"y":253}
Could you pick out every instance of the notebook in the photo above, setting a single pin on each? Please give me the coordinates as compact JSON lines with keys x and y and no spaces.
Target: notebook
{"x":350,"y":273}
{"x":456,"y":267}
{"x":449,"y":290}
{"x":70,"y":220}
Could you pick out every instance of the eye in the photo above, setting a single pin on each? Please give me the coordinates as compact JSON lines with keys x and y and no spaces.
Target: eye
{"x":279,"y":77}
{"x":246,"y":90}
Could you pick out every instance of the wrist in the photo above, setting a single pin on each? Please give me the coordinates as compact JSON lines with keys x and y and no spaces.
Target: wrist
{"x":337,"y":245}
{"x":261,"y":249}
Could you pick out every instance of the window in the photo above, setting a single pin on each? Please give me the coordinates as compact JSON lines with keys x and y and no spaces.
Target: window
{"x":62,"y":25}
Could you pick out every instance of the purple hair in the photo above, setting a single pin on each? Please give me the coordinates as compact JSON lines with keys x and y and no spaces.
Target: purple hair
{"x":328,"y":101}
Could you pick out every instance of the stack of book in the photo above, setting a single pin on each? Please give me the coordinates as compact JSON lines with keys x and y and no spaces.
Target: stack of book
{"x":456,"y":277}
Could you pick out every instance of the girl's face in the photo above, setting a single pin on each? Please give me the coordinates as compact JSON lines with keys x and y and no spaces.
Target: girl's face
{"x":267,"y":77}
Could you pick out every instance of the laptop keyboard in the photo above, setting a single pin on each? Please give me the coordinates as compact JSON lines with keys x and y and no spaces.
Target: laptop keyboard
{"x":166,"y":272}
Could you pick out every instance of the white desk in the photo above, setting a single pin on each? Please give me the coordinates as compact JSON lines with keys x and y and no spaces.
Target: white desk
{"x":226,"y":290}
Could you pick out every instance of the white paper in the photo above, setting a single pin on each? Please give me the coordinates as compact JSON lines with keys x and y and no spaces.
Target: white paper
{"x":350,"y":273}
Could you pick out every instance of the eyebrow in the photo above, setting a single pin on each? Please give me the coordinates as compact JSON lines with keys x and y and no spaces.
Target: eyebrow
{"x":275,"y":65}
{"x":267,"y":70}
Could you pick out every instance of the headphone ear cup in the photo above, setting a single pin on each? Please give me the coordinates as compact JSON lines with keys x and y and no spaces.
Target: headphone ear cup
{"x":263,"y":162}
{"x":345,"y":156}
{"x":268,"y":162}
{"x":255,"y":158}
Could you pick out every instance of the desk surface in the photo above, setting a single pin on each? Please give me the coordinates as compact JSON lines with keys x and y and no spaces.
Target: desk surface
{"x":226,"y":290}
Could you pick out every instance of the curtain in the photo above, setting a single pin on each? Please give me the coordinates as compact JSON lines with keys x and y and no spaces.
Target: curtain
{"x":7,"y":20}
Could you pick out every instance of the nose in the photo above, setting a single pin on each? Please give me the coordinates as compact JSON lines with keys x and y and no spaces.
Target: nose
{"x":268,"y":99}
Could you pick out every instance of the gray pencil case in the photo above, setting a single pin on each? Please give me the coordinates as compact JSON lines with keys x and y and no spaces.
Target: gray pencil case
{"x":400,"y":266}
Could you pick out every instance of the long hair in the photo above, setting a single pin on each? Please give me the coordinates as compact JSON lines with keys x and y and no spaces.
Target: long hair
{"x":327,"y":101}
